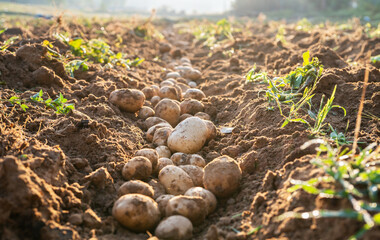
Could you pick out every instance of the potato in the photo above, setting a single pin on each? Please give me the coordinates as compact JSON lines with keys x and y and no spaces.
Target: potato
{"x":161,"y":135}
{"x":162,"y":201}
{"x":185,"y":139}
{"x":175,"y":180}
{"x":163,"y":162}
{"x":168,"y":92}
{"x":168,"y":110}
{"x":158,"y":188}
{"x":191,"y":106}
{"x":163,"y":152}
{"x":136,"y":212}
{"x":156,"y":89}
{"x":173,"y":75}
{"x":149,"y":92}
{"x":193,"y":208}
{"x":179,"y":91}
{"x":137,"y":168}
{"x":184,"y":87}
{"x":180,"y":158}
{"x":195,"y":173}
{"x":155,"y":100}
{"x":151,"y":131}
{"x":167,"y":82}
{"x":146,"y":112}
{"x":151,"y":121}
{"x":185,"y":60}
{"x":222,"y":186}
{"x":184,"y":116}
{"x":194,"y":75}
{"x":208,"y":196}
{"x":150,"y":154}
{"x":194,"y":93}
{"x":203,"y":116}
{"x":192,"y":84}
{"x":129,"y":100}
{"x":175,"y":227}
{"x":164,"y":47}
{"x":196,"y":160}
{"x":211,"y":130}
{"x":136,"y":186}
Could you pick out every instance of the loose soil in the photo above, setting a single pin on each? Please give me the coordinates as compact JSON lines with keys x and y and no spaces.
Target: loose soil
{"x":59,"y":173}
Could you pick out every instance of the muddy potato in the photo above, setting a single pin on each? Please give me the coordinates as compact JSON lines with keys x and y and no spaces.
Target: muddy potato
{"x":192,"y":84}
{"x":146,"y":112}
{"x":155,"y":100}
{"x":164,"y":47}
{"x":168,"y":92}
{"x":151,"y":121}
{"x":208,"y":196}
{"x":185,"y":60}
{"x":161,"y":135}
{"x":158,"y":188}
{"x":175,"y":180}
{"x":180,"y":158}
{"x":175,"y":227}
{"x":163,"y":162}
{"x":193,"y":208}
{"x":184,"y":116}
{"x":194,"y":75}
{"x":196,"y":160}
{"x":151,"y":131}
{"x":185,"y":139}
{"x":211,"y":130}
{"x":195,"y":173}
{"x":129,"y":100}
{"x":168,"y":82}
{"x":156,"y":89}
{"x":150,"y":154}
{"x":222,"y":186}
{"x":163,"y":152}
{"x":149,"y":92}
{"x":194,"y":93}
{"x":162,"y":201}
{"x":203,"y":116}
{"x":191,"y":106}
{"x":136,"y":186}
{"x":179,"y":91}
{"x":173,"y":75}
{"x":137,"y":168}
{"x":136,"y":212}
{"x":184,"y":87}
{"x":168,"y":110}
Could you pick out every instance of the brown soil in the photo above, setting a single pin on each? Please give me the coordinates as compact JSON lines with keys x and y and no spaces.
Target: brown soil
{"x":59,"y":174}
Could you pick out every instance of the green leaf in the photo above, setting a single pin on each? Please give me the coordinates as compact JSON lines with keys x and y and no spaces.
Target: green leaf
{"x":306,"y":58}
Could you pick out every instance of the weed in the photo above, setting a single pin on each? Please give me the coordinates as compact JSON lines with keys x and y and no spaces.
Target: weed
{"x":17,"y":101}
{"x":371,"y":116}
{"x":6,"y":44}
{"x":375,"y":59}
{"x":74,"y":65}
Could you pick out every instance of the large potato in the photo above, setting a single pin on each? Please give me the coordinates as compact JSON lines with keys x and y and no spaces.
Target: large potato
{"x":162,"y":201}
{"x":163,"y":162}
{"x":163,"y":152}
{"x":146,"y":112}
{"x":151,"y":121}
{"x":149,"y":92}
{"x":208,"y":196}
{"x":169,"y":92}
{"x":184,"y":116}
{"x":151,"y":131}
{"x":194,"y":93}
{"x":175,"y":180}
{"x":193,"y":208}
{"x":173,"y":75}
{"x":136,"y":186}
{"x":175,"y":227}
{"x":129,"y":100}
{"x":180,"y":158}
{"x":191,"y":106}
{"x":168,"y":110}
{"x":150,"y":154}
{"x":167,"y":82}
{"x":197,"y":160}
{"x":195,"y":172}
{"x":222,"y":186}
{"x":137,"y":168}
{"x":161,"y":135}
{"x":211,"y":130}
{"x":155,"y":100}
{"x":189,"y":136}
{"x":136,"y":212}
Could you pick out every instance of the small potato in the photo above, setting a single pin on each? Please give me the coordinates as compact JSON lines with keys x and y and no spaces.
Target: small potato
{"x":151,"y":121}
{"x":150,"y":154}
{"x":155,"y":100}
{"x":173,"y":75}
{"x":175,"y":227}
{"x":185,"y":139}
{"x":175,"y":180}
{"x":161,"y":135}
{"x":203,"y":116}
{"x":164,"y":47}
{"x":179,"y":91}
{"x":163,"y":162}
{"x":158,"y":188}
{"x":197,"y":160}
{"x":168,"y":92}
{"x":180,"y":158}
{"x":168,"y":110}
{"x":184,"y":116}
{"x":184,"y":87}
{"x":167,"y":82}
{"x":156,"y":89}
{"x":212,"y":131}
{"x":193,"y":208}
{"x":194,"y":93}
{"x":192,"y":84}
{"x":162,"y":201}
{"x":185,"y":60}
{"x":146,"y":112}
{"x":183,"y":81}
{"x":136,"y":212}
{"x":222,"y":186}
{"x":194,"y":75}
{"x":137,"y":168}
{"x":191,"y":106}
{"x":149,"y":92}
{"x":208,"y":196}
{"x":136,"y":186}
{"x":129,"y":100}
{"x":195,"y":172}
{"x":163,"y":152}
{"x":151,"y":131}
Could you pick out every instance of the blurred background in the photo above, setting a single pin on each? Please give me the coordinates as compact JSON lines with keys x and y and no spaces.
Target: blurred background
{"x":292,"y":10}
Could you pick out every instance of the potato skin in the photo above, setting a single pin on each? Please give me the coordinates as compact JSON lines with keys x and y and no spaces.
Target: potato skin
{"x":175,"y":228}
{"x":136,"y":212}
{"x":161,"y":135}
{"x":175,"y":180}
{"x":169,"y":92}
{"x":149,"y":153}
{"x":168,"y":110}
{"x":163,"y":151}
{"x":136,"y":186}
{"x":208,"y":196}
{"x":129,"y":100}
{"x":188,"y":136}
{"x":195,"y":173}
{"x":191,"y":106}
{"x":162,"y":201}
{"x":194,"y":93}
{"x":146,"y":112}
{"x":193,"y":208}
{"x":137,"y":168}
{"x":222,"y":186}
{"x":163,"y":162}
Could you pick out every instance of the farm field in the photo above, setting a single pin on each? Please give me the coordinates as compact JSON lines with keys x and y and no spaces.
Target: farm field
{"x":81,"y":98}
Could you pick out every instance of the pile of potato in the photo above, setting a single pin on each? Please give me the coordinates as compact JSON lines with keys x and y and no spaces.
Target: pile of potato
{"x":170,"y":188}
